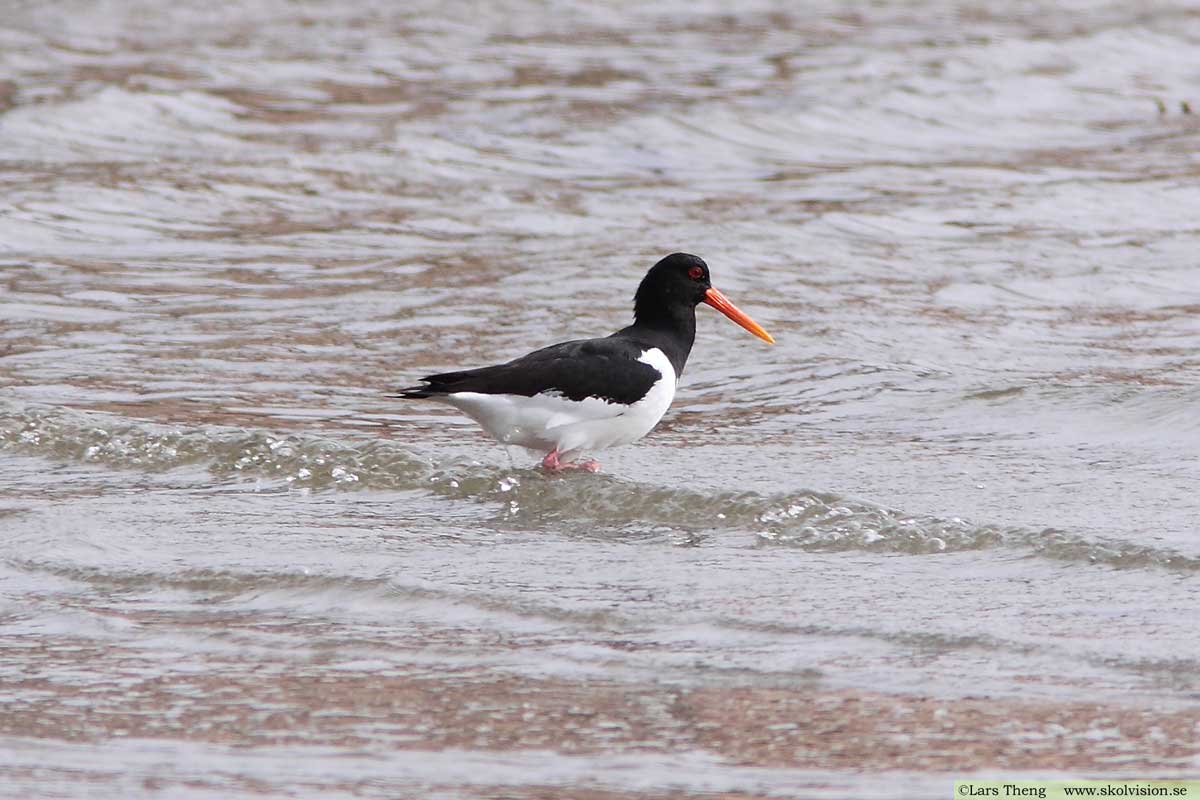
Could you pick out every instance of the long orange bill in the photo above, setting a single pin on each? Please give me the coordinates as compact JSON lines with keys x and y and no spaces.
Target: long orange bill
{"x":721,"y":303}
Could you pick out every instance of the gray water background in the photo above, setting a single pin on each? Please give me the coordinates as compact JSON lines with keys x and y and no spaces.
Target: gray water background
{"x":967,"y":470}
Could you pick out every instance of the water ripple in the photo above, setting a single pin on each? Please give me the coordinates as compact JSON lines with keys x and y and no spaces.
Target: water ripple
{"x":582,"y":505}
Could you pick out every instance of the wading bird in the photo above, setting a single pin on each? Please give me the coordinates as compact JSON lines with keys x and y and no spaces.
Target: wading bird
{"x":584,"y":395}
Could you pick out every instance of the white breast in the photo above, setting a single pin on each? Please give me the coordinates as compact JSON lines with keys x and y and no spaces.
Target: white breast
{"x":546,"y":422}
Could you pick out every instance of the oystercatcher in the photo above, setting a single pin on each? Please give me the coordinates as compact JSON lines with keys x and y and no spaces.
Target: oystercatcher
{"x":592,"y":393}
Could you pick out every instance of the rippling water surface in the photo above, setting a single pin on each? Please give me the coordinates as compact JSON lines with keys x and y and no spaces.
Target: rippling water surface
{"x":947,"y":524}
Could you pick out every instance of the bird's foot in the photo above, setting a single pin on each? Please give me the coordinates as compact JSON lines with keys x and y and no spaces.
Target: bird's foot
{"x":552,"y":463}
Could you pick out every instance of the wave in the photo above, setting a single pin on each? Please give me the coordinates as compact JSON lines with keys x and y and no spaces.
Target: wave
{"x":527,"y":498}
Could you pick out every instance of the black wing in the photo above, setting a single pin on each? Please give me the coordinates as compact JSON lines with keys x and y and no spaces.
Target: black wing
{"x":605,"y":368}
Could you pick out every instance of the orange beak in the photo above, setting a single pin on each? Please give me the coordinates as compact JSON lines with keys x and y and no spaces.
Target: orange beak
{"x":721,"y":303}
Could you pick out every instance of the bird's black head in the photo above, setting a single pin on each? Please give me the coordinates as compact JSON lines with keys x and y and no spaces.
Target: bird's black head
{"x":671,"y":290}
{"x":679,"y":280}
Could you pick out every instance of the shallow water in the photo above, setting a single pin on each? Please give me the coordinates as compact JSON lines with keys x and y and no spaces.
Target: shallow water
{"x":947,"y":523}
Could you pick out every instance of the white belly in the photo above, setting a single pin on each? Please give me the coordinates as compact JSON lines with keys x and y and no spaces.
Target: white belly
{"x":549,"y":422}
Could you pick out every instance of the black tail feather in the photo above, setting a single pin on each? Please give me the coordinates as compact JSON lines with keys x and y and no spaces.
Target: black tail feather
{"x":416,"y":393}
{"x":433,"y":386}
{"x":437,"y":385}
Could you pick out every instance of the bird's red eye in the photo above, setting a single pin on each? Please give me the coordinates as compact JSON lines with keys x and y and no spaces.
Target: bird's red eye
{"x":696,"y":273}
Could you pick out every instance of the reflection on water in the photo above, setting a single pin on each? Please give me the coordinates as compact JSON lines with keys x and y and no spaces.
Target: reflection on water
{"x":948,"y":519}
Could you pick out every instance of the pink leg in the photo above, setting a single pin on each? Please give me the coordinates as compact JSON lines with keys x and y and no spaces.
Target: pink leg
{"x":552,"y":463}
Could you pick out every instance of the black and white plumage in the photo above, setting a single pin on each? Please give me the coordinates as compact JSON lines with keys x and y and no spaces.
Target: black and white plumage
{"x":590,"y":394}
